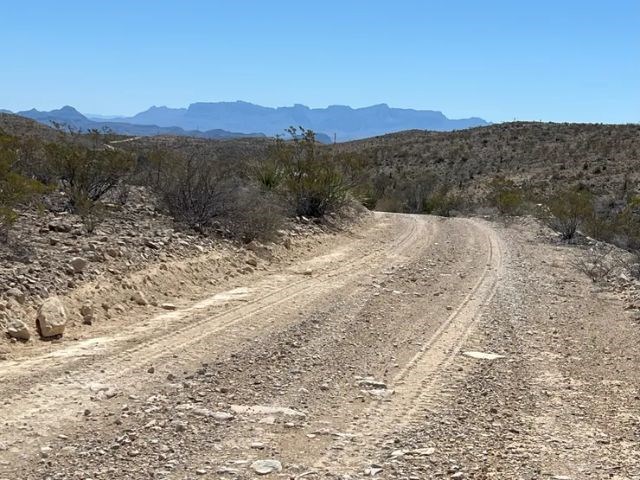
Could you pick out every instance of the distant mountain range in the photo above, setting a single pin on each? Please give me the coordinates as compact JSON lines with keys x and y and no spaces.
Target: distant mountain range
{"x":238,"y":119}
{"x":70,"y":116}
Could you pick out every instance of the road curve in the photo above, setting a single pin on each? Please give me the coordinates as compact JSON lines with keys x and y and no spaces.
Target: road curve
{"x":349,"y":363}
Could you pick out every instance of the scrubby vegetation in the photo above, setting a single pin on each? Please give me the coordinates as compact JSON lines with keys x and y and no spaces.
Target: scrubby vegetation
{"x":16,"y":187}
{"x":577,"y":178}
{"x":212,"y":193}
{"x":313,"y":180}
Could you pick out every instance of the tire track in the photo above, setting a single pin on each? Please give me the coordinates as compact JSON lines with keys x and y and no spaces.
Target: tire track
{"x":416,"y":383}
{"x":118,"y":362}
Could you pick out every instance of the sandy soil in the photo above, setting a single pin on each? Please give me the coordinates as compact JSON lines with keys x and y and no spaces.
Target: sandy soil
{"x":356,"y":360}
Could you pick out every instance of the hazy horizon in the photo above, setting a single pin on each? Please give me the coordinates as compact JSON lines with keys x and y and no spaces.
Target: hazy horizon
{"x":498,"y":60}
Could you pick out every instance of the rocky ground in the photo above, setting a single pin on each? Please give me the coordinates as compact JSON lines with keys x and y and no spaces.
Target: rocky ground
{"x":102,"y":274}
{"x":412,"y":347}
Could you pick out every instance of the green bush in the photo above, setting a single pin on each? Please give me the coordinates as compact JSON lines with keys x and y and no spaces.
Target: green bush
{"x":568,"y":210}
{"x":442,"y":202}
{"x":625,"y":226}
{"x":314,"y":181}
{"x":269,"y":175}
{"x":505,"y":196}
{"x":87,"y":173}
{"x":15,"y":188}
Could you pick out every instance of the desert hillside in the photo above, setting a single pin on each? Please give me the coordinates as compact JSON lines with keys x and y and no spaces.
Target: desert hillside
{"x":543,"y":154}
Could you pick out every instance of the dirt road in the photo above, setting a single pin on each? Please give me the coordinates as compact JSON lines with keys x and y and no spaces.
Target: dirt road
{"x":420,"y":348}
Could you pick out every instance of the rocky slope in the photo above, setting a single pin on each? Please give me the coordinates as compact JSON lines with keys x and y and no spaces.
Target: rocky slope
{"x":52,"y":255}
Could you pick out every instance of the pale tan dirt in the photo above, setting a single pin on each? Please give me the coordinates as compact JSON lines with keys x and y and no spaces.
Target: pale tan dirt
{"x":400,"y":302}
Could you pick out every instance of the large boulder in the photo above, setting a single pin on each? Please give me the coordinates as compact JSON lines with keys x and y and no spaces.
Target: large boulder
{"x":52,"y":317}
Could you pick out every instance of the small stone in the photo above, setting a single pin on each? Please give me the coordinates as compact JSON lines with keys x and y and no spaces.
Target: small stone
{"x":168,"y":306}
{"x":371,"y":383}
{"x":265,"y":467}
{"x":222,"y":416}
{"x":79,"y":264}
{"x":152,"y":245}
{"x":18,"y":329}
{"x":372,"y":471}
{"x":139,"y":298}
{"x":16,"y":294}
{"x":252,"y":261}
{"x":423,"y":451}
{"x":180,"y":426}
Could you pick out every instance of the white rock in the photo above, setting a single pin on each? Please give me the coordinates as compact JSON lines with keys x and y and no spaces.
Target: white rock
{"x":267,"y":410}
{"x":483,"y":355}
{"x":265,"y":467}
{"x":372,"y":471}
{"x":223,"y":416}
{"x":202,"y":412}
{"x":52,"y":317}
{"x":423,"y":451}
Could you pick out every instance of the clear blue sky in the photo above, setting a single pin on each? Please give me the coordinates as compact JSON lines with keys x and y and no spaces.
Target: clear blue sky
{"x":562,"y":60}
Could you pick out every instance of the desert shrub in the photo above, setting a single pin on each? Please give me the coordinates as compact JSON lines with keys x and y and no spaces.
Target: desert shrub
{"x":625,"y":225}
{"x":254,"y":214}
{"x":598,"y":226}
{"x":442,"y":202}
{"x":596,"y":263}
{"x":505,"y":196}
{"x":91,"y":213}
{"x":389,"y":204}
{"x":195,"y":191}
{"x":87,"y":173}
{"x":416,"y":192}
{"x":567,"y":210}
{"x":269,"y":175}
{"x":314,"y":181}
{"x":15,"y":188}
{"x":209,"y":198}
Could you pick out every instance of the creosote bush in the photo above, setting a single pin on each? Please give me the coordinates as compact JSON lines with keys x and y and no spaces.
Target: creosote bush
{"x":314,"y":181}
{"x":505,"y":196}
{"x":209,"y":197}
{"x":194,"y":191}
{"x":568,"y":209}
{"x":87,"y":173}
{"x":15,"y":187}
